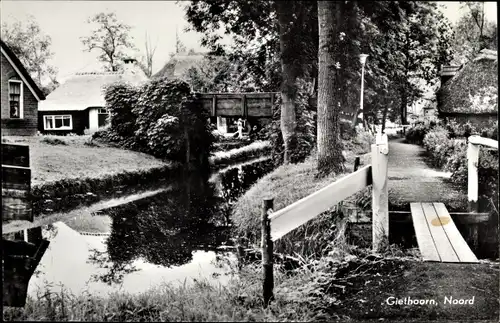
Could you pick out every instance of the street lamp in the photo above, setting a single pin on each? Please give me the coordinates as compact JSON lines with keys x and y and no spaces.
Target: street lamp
{"x":362,"y":59}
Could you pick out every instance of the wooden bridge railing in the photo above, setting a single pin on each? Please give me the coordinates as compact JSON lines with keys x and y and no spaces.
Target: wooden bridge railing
{"x":474,"y":144}
{"x":256,"y":104}
{"x":375,"y":174}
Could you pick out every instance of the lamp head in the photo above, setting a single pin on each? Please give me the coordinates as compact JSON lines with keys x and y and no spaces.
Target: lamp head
{"x":362,"y":58}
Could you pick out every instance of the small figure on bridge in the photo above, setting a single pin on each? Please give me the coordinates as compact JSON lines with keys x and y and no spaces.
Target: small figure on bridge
{"x":240,"y":128}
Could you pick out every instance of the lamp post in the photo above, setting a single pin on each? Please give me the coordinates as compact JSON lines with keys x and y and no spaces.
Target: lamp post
{"x":362,"y":59}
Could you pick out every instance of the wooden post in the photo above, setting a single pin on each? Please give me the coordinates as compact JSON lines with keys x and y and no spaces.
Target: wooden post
{"x":240,"y":252}
{"x":380,"y":193}
{"x":356,"y":163}
{"x":472,"y":176}
{"x":472,"y":188}
{"x":244,"y":106}
{"x":214,"y":105}
{"x":267,"y":252}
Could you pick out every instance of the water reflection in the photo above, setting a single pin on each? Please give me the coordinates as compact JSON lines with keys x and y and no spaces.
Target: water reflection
{"x":171,"y":236}
{"x":168,"y":228}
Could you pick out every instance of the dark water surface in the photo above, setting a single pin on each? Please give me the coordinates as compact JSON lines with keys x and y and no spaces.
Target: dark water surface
{"x":173,"y":236}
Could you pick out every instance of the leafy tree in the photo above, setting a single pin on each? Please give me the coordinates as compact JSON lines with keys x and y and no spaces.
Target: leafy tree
{"x":32,"y":47}
{"x":473,"y":32}
{"x":265,"y":41}
{"x":213,"y":74}
{"x":405,"y":41}
{"x":109,"y":38}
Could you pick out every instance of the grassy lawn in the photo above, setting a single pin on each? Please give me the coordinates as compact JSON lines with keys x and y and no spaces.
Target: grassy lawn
{"x":53,"y":158}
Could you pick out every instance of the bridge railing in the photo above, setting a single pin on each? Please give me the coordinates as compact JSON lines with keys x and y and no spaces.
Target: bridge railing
{"x":473,"y":146}
{"x":309,"y":207}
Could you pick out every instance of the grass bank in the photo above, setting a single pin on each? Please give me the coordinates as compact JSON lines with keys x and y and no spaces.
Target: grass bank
{"x":224,"y":158}
{"x":71,"y":171}
{"x":239,"y":300}
{"x":288,"y":184}
{"x":347,"y":284}
{"x":55,"y":158}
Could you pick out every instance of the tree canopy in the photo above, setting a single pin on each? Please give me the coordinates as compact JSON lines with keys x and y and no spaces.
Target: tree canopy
{"x":404,"y":40}
{"x":28,"y":42}
{"x":109,"y":38}
{"x":473,"y":32}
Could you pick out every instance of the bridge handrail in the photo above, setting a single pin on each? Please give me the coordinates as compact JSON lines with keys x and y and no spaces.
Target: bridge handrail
{"x":473,"y":146}
{"x":477,"y":140}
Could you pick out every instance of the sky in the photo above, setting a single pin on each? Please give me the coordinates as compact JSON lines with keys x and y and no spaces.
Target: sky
{"x":65,"y":22}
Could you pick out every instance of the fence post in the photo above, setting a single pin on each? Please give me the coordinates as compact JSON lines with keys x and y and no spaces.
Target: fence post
{"x":380,"y":193}
{"x":472,"y":187}
{"x":267,"y":252}
{"x":472,"y":176}
{"x":356,"y":163}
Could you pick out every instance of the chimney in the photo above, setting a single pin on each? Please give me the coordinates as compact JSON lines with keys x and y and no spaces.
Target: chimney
{"x":129,"y":64}
{"x":447,"y":72}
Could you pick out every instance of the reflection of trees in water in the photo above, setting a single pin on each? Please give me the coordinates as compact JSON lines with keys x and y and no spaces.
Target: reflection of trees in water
{"x":166,"y":228}
{"x":114,"y":271}
{"x":235,"y":181}
{"x":163,"y":229}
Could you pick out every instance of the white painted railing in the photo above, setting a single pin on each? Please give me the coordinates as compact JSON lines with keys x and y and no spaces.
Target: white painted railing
{"x":298,"y":213}
{"x":474,"y":143}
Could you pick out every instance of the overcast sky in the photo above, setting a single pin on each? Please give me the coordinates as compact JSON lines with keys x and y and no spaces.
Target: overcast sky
{"x":65,"y":23}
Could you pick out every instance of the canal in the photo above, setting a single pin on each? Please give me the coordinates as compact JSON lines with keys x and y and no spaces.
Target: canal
{"x":175,"y":236}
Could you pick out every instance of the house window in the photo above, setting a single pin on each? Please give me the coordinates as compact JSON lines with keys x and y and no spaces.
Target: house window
{"x":63,"y":122}
{"x":15,"y":99}
{"x":102,"y":117}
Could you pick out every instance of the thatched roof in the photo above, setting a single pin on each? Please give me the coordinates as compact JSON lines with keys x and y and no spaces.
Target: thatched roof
{"x":85,"y":90}
{"x":474,"y":88}
{"x":179,"y":64}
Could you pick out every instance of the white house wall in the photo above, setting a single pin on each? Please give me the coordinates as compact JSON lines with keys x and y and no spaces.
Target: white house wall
{"x":93,"y":119}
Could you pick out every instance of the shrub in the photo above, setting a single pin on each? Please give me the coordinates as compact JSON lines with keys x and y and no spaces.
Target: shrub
{"x":121,"y":99}
{"x":464,"y":130}
{"x":439,"y":145}
{"x":487,"y":170}
{"x":156,"y":118}
{"x":416,"y":134}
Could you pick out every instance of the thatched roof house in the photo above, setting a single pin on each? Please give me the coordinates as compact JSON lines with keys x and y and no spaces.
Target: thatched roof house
{"x":472,"y":93}
{"x":79,"y":103}
{"x":179,"y":64}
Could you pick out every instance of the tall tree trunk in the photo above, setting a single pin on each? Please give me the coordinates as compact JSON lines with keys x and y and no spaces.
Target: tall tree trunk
{"x":330,"y":158}
{"x":289,"y":77}
{"x":404,"y":103}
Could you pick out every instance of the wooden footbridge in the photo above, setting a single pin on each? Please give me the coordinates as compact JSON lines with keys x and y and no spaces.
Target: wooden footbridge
{"x":437,"y":235}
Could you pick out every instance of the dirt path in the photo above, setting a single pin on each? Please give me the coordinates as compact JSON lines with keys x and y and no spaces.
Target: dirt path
{"x":412,"y":179}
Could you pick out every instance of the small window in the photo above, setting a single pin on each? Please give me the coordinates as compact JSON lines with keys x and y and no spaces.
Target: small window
{"x":64,"y":122}
{"x":102,"y":111}
{"x":15,"y":99}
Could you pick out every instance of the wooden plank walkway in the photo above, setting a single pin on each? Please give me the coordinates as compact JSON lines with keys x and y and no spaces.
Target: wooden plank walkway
{"x":437,"y":236}
{"x":412,"y":179}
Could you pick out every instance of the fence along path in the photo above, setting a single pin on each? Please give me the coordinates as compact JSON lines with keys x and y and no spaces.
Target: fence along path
{"x":307,"y":208}
{"x":437,"y":235}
